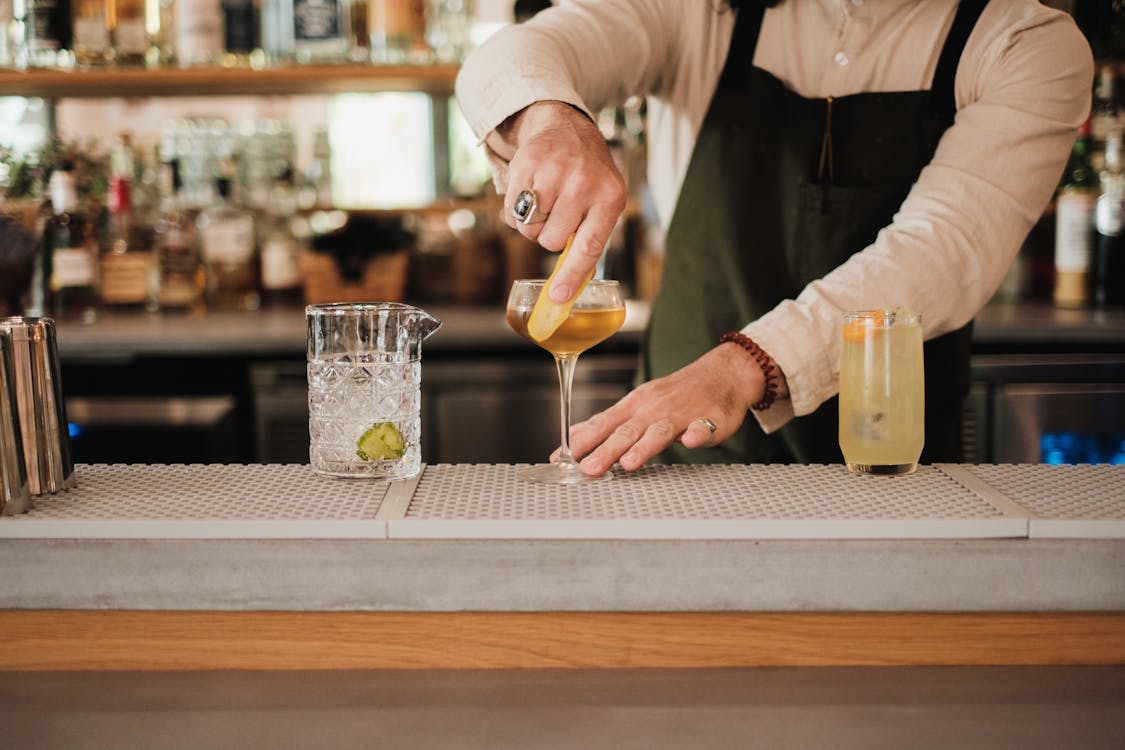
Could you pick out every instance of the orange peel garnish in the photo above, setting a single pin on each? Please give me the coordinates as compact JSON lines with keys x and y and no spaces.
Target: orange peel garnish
{"x":855,"y":330}
{"x":546,"y":316}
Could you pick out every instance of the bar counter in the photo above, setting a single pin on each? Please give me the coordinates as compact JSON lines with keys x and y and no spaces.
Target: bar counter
{"x":270,"y":567}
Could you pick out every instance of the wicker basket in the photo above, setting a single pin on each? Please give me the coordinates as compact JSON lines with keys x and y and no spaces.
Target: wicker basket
{"x":384,"y":279}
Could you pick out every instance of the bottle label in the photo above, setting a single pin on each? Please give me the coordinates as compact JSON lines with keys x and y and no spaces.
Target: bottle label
{"x":91,"y":35}
{"x":126,"y":277}
{"x":198,"y":28}
{"x":316,"y":20}
{"x":180,"y":283}
{"x":1109,"y":214}
{"x":280,"y":265}
{"x":1074,"y":231}
{"x":43,"y":18}
{"x":130,"y":37}
{"x":230,"y":242}
{"x":72,"y":267}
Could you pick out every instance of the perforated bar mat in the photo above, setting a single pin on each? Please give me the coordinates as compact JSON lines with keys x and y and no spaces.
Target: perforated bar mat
{"x":663,"y":502}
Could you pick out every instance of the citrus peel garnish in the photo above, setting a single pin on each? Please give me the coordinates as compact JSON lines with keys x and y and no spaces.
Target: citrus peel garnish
{"x":855,"y":330}
{"x":547,"y":316}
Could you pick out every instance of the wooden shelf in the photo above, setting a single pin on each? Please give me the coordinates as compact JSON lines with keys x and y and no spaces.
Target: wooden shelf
{"x":282,"y":80}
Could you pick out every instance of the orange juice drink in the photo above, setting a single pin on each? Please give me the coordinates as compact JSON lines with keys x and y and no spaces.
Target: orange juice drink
{"x":882,"y":393}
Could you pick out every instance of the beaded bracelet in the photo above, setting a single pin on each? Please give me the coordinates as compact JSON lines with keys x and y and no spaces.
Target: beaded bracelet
{"x":769,"y":369}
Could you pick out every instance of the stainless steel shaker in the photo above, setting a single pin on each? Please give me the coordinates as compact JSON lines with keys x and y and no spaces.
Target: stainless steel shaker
{"x":14,"y":494}
{"x":39,"y":402}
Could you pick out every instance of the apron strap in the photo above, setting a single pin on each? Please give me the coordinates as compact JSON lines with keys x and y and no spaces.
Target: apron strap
{"x":943,"y":103}
{"x":743,"y":43}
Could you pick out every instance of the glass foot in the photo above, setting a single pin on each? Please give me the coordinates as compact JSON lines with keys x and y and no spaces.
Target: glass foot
{"x":561,"y":473}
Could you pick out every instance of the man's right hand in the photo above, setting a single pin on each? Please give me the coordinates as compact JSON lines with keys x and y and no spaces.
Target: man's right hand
{"x":557,"y":152}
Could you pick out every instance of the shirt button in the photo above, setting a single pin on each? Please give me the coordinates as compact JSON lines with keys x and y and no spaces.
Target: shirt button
{"x":841,"y":59}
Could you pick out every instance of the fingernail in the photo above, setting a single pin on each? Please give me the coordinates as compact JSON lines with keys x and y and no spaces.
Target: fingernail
{"x":560,"y":293}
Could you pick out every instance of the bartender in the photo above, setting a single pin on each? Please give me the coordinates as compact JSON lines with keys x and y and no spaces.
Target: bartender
{"x":807,"y":158}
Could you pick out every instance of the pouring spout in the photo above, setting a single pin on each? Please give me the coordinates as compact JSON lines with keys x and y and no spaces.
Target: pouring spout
{"x":425,"y":324}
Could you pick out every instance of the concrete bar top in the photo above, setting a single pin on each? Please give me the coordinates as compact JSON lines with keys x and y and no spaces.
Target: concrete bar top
{"x":666,"y":538}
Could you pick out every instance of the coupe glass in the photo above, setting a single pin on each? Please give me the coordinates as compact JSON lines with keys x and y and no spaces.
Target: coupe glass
{"x":597,"y":313}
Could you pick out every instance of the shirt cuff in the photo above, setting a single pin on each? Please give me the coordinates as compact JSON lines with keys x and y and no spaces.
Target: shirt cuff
{"x":796,"y":345}
{"x":496,"y":97}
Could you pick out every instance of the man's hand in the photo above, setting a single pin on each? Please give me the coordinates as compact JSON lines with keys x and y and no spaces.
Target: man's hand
{"x":719,"y":386}
{"x":555,"y":151}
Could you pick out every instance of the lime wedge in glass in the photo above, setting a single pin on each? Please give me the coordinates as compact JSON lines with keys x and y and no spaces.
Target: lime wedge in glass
{"x":381,"y":442}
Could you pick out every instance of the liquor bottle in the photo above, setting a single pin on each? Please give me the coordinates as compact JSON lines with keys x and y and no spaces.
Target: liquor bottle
{"x":73,"y":285}
{"x":8,"y":30}
{"x":1105,"y":114}
{"x":129,"y":33}
{"x":448,"y":27}
{"x":91,"y":33}
{"x":277,"y":31}
{"x":47,"y":33}
{"x":127,"y":264}
{"x":229,"y":250}
{"x":1107,"y":284}
{"x":197,"y":26}
{"x":180,"y":279}
{"x":320,"y":31}
{"x":160,"y":25}
{"x":359,"y":40}
{"x":316,"y":188}
{"x":281,"y":248}
{"x":396,"y":30}
{"x":1075,"y":205}
{"x":242,"y":34}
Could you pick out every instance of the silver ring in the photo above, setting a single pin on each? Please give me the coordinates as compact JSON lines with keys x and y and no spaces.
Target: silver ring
{"x":709,"y":424}
{"x":526,"y":209}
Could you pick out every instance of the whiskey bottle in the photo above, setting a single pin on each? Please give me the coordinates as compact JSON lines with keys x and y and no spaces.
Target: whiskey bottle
{"x":73,"y":285}
{"x":1074,"y":225}
{"x":129,"y":33}
{"x":1107,"y":271}
{"x":197,"y":26}
{"x":47,"y":33}
{"x":91,"y":33}
{"x":229,"y":251}
{"x":320,"y":31}
{"x":180,"y":280}
{"x":128,"y":271}
{"x":281,"y":248}
{"x":242,"y":34}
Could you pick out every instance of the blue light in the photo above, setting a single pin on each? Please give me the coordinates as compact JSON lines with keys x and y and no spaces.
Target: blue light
{"x":1082,"y":448}
{"x":74,"y":430}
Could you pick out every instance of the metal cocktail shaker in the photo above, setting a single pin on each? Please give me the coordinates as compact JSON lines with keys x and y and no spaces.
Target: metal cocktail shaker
{"x":14,"y":494}
{"x":39,"y":402}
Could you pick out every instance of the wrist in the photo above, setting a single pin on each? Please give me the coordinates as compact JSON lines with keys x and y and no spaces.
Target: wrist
{"x":531,"y":120}
{"x":766,"y":381}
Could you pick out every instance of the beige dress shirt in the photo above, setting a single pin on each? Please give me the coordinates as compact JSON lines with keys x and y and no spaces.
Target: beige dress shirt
{"x":1022,"y":89}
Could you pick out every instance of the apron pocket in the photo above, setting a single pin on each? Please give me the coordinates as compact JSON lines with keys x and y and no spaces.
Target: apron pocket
{"x":836,"y":222}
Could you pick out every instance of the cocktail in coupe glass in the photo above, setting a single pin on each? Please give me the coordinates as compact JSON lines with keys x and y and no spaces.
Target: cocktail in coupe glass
{"x":882,"y":394}
{"x":596,"y":315}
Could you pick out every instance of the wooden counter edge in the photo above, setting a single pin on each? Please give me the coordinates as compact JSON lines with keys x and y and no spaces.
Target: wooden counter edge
{"x":50,"y":640}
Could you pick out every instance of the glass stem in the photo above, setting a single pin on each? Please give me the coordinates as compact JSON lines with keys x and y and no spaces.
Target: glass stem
{"x":565,"y":365}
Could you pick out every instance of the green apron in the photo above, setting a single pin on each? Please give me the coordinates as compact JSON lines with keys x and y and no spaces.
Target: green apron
{"x":782,"y":189}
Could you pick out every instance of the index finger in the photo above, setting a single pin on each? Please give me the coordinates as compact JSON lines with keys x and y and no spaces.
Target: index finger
{"x":589,"y":243}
